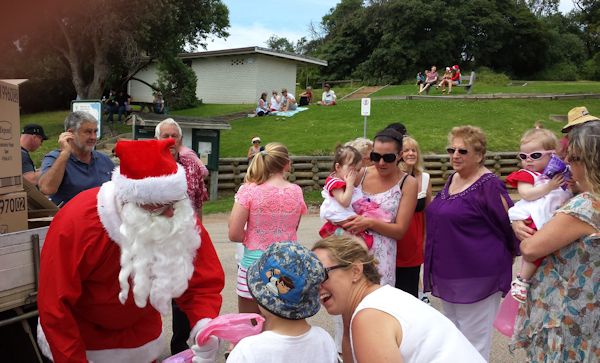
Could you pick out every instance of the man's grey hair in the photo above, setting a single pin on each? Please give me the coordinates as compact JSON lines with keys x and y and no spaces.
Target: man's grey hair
{"x":75,"y":119}
{"x":168,"y":121}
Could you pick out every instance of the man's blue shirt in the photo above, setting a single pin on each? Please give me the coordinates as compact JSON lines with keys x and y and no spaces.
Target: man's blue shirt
{"x":79,"y":176}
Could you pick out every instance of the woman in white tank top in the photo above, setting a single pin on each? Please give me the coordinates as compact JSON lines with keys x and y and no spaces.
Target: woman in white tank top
{"x":382,"y":323}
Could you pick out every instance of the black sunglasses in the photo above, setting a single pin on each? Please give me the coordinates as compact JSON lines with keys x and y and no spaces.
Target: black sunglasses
{"x":452,"y":150}
{"x":388,"y":158}
{"x":327,"y":269}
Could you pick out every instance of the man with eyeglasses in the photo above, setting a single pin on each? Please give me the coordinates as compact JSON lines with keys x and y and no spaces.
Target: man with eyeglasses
{"x":114,"y":258}
{"x":32,"y":138}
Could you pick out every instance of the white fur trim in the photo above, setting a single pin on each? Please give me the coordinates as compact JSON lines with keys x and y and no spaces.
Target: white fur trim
{"x":150,"y":190}
{"x":109,"y":211}
{"x":145,"y":353}
{"x":43,"y":342}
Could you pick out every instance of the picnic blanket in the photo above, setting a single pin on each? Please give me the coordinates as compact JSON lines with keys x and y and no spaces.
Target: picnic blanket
{"x":289,"y":113}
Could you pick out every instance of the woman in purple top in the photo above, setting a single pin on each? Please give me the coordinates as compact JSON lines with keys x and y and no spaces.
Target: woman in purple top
{"x":470,"y":244}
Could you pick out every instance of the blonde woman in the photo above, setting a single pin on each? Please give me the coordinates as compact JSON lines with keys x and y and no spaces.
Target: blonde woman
{"x":409,"y":253}
{"x":267,"y":210}
{"x":382,"y":323}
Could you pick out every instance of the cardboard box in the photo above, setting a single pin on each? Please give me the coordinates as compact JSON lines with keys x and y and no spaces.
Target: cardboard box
{"x":10,"y":133}
{"x":13,"y":212}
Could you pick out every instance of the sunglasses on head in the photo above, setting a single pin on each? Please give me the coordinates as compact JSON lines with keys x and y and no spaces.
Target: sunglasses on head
{"x":452,"y":150}
{"x":534,"y":155}
{"x":388,"y":158}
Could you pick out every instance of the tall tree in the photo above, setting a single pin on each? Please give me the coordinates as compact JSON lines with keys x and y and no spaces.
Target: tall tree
{"x":97,"y":37}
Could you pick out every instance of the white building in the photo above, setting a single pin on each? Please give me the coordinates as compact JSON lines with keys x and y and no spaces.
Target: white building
{"x":237,"y":75}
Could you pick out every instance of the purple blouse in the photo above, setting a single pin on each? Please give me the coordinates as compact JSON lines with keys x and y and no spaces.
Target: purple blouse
{"x":470,"y":243}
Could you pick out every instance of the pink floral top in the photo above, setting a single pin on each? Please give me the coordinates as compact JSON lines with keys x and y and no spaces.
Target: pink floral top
{"x":274,"y":213}
{"x":194,"y":174}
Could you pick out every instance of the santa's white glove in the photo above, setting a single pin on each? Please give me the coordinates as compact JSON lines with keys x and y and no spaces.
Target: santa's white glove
{"x":206,"y":353}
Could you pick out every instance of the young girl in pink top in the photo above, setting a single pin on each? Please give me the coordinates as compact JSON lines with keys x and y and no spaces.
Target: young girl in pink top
{"x":267,"y":210}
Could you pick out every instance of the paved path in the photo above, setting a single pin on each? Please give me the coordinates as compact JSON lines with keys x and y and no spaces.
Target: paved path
{"x":216,"y":225}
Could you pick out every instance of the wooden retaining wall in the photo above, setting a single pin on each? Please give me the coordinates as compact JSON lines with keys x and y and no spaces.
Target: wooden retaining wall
{"x":311,"y":171}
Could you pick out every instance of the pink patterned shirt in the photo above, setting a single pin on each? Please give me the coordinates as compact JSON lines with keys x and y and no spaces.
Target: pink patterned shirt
{"x":194,"y":174}
{"x":274,"y":213}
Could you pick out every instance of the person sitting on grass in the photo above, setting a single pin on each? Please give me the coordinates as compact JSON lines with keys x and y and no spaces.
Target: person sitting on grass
{"x":328,"y":98}
{"x":262,"y":109}
{"x":288,"y":101}
{"x":306,"y":97}
{"x":285,"y":283}
{"x":275,"y":103}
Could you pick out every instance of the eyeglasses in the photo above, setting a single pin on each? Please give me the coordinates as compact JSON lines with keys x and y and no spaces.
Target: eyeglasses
{"x":158,"y":210}
{"x":331,"y":268}
{"x":452,"y":150}
{"x":388,"y":158}
{"x":534,"y":155}
{"x":256,"y":142}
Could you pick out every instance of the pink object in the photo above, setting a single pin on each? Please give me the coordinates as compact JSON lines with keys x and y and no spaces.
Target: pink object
{"x":181,"y":357}
{"x":507,"y":314}
{"x":368,"y":208}
{"x":231,"y":327}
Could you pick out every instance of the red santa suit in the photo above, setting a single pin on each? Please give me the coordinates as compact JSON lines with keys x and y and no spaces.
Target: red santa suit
{"x":78,"y":300}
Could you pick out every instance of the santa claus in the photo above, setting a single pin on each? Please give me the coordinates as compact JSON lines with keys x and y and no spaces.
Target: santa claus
{"x":116,"y":255}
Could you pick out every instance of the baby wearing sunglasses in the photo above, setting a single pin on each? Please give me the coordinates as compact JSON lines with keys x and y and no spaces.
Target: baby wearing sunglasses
{"x":342,"y":199}
{"x":540,"y":195}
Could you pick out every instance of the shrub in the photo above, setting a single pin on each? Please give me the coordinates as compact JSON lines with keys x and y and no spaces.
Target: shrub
{"x":591,"y":68}
{"x":563,"y":71}
{"x":487,"y":75}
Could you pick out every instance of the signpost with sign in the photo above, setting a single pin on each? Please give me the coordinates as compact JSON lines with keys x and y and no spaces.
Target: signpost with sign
{"x":365,"y":110}
{"x":93,"y":107}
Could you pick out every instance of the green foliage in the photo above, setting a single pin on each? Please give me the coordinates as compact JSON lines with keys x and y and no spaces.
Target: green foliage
{"x":563,"y":71}
{"x":591,"y":68}
{"x":177,"y":82}
{"x":486,"y":75}
{"x":281,"y":44}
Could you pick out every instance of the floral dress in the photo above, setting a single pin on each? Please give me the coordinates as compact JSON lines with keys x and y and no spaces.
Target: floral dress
{"x":560,"y":322}
{"x":384,"y":248}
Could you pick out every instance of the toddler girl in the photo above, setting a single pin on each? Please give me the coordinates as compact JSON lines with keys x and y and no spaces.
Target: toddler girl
{"x":342,"y":199}
{"x":540,"y":195}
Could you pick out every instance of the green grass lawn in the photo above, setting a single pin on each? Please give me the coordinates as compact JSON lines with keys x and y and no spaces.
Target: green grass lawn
{"x":207,"y":110}
{"x":515,"y":87}
{"x":318,"y":130}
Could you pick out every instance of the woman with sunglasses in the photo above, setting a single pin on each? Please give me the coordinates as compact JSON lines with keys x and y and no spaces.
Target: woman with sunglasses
{"x":382,"y":323}
{"x":560,"y":319}
{"x":470,"y":244}
{"x":540,"y":195}
{"x":396,"y":194}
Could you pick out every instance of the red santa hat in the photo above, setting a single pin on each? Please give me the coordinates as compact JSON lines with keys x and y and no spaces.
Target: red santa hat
{"x":148,"y":173}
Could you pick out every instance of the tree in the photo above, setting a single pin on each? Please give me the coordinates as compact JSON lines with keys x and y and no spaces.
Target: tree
{"x":98,"y":37}
{"x":280,"y":43}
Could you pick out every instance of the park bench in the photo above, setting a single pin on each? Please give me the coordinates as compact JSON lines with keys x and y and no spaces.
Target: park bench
{"x":467,"y":85}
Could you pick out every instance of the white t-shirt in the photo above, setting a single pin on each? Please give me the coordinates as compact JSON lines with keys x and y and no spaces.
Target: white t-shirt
{"x":275,"y":105}
{"x":328,"y":97}
{"x":331,"y":210}
{"x":316,"y":345}
{"x":427,"y":335}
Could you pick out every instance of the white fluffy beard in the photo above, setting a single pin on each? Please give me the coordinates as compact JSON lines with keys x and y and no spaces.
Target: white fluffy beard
{"x":157,"y":253}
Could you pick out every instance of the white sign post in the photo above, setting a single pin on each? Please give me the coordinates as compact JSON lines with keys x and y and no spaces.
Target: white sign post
{"x":365,"y":110}
{"x":93,"y":107}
